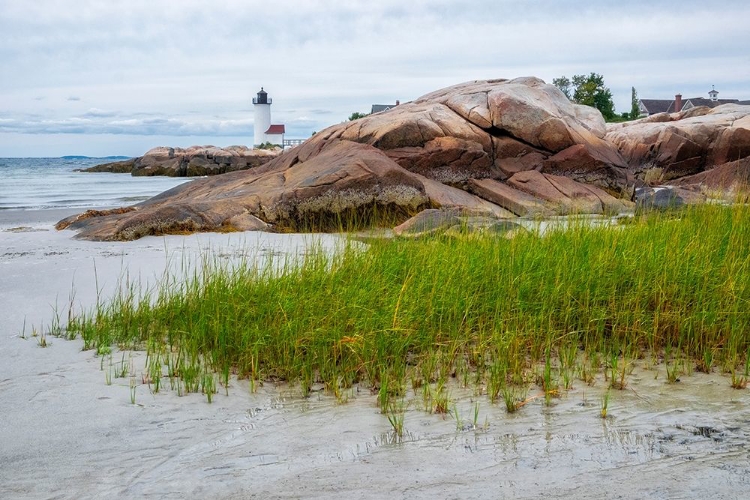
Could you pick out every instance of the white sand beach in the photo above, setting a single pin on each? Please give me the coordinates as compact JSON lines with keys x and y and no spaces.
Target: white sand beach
{"x":66,"y":434}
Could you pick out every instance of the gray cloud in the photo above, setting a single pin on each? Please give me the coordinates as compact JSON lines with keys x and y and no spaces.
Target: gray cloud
{"x":98,"y":124}
{"x":186,"y":63}
{"x":99,"y":113}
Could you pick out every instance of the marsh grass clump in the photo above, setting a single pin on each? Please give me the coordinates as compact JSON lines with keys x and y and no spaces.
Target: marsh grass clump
{"x":395,"y":414}
{"x":484,"y":310}
{"x":604,"y":405}
{"x":514,"y":398}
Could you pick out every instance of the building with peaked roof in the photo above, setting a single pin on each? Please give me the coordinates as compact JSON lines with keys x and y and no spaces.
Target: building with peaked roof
{"x":377,"y":108}
{"x":649,"y":107}
{"x":275,"y":134}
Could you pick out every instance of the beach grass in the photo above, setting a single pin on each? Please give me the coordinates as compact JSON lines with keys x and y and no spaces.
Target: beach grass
{"x":493,"y":313}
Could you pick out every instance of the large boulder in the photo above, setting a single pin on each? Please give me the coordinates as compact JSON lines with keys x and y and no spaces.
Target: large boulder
{"x":493,"y":129}
{"x":666,"y":197}
{"x":457,"y":223}
{"x":435,"y":152}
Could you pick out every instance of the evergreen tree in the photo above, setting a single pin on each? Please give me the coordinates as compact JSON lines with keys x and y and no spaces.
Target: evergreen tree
{"x":635,"y":112}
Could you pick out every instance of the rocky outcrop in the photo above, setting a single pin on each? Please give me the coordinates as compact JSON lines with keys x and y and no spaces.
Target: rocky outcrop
{"x":115,"y":167}
{"x":665,"y":147}
{"x":450,"y":149}
{"x":329,"y":190}
{"x":194,"y":161}
{"x":731,"y":178}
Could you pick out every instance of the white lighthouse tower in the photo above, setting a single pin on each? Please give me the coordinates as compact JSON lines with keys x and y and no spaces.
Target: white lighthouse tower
{"x":262,"y":108}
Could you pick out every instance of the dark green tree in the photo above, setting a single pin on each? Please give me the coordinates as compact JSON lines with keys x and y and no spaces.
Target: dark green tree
{"x":589,"y":90}
{"x":356,"y":115}
{"x":635,"y":112}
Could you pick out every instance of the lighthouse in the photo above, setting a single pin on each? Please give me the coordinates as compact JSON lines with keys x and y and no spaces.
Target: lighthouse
{"x":262,"y":108}
{"x":264,"y":131}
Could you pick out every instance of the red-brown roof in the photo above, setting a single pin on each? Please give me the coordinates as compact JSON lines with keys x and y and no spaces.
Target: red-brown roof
{"x":276,"y":129}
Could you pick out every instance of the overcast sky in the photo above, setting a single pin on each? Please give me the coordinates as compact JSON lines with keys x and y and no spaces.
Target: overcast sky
{"x":117,"y":77}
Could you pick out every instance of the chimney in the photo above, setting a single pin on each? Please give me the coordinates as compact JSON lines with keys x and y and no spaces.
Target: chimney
{"x":677,"y":103}
{"x":398,"y":102}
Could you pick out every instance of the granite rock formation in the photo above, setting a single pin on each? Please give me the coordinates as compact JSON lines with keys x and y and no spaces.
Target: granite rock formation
{"x":496,"y":148}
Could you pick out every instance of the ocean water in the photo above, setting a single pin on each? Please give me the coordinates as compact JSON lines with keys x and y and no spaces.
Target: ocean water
{"x":52,"y":183}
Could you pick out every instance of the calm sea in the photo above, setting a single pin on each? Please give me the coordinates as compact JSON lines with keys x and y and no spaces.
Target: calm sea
{"x":43,"y":183}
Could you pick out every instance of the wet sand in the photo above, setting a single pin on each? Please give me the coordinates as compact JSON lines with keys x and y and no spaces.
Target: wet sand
{"x":65,"y":433}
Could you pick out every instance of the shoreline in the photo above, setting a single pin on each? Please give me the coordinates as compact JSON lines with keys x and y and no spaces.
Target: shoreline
{"x":36,"y":216}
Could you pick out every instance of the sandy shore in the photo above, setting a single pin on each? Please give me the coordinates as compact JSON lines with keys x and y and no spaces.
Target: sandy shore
{"x":64,"y":433}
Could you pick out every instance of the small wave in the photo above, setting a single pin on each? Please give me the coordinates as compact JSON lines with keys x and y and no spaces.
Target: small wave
{"x":133,"y":198}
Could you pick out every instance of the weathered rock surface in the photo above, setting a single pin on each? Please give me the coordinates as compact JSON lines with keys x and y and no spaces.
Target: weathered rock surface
{"x":194,"y":161}
{"x":439,"y":151}
{"x":727,"y":179}
{"x":683,"y":144}
{"x":566,"y":196}
{"x":454,"y":222}
{"x":518,"y":202}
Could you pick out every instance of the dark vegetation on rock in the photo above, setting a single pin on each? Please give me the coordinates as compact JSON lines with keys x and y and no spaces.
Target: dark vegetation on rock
{"x":496,"y":149}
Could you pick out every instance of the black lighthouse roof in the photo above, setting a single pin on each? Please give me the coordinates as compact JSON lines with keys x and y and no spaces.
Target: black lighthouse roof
{"x":262,"y":97}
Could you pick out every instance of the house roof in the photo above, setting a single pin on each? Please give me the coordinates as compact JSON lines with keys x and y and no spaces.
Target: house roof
{"x":654,"y":106}
{"x":702,"y":101}
{"x":276,"y":129}
{"x":657,"y":105}
{"x":377,"y":108}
